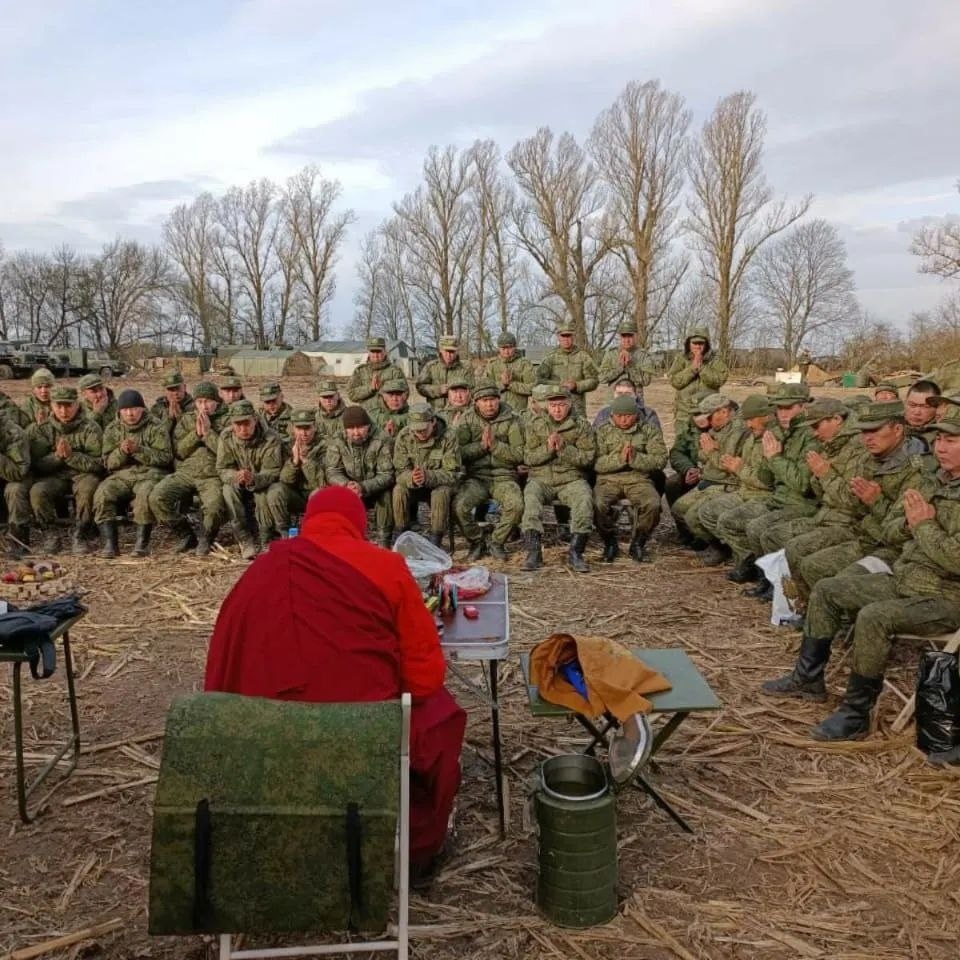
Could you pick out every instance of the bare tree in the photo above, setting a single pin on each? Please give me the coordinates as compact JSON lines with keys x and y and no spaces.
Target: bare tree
{"x":804,"y":284}
{"x":732,"y":213}
{"x":560,"y":221}
{"x":639,"y":145}
{"x":370,"y":291}
{"x":939,"y":248}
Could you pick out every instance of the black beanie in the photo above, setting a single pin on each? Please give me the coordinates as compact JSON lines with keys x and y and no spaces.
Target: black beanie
{"x":355,"y":417}
{"x":128,"y":399}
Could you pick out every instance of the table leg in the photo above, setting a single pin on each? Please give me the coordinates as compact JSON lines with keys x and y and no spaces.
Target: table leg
{"x":645,"y":785}
{"x":72,"y":695}
{"x":497,"y":750}
{"x":664,"y":733}
{"x":599,"y":736}
{"x":18,"y":746}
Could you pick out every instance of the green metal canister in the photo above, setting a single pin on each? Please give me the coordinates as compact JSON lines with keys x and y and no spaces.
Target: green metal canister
{"x":577,"y":855}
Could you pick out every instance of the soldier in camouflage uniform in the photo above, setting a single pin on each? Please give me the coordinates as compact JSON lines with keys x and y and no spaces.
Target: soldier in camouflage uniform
{"x":195,"y":445}
{"x":174,"y":403}
{"x":13,"y":413}
{"x":694,"y":370}
{"x":390,"y":412}
{"x":629,"y":451}
{"x":231,"y":391}
{"x":434,"y":380}
{"x":362,"y":460}
{"x":919,"y":414}
{"x":459,"y":401}
{"x":98,"y":402}
{"x":559,"y":451}
{"x":301,"y":473}
{"x":568,"y":368}
{"x":65,"y":457}
{"x":684,"y":459}
{"x":922,"y":596}
{"x":14,"y":465}
{"x":274,"y":411}
{"x":365,"y":382}
{"x":491,"y":445}
{"x":249,"y":458}
{"x":37,"y":405}
{"x":428,"y":466}
{"x":627,"y":361}
{"x":138,"y":453}
{"x":886,"y":392}
{"x":514,"y":375}
{"x":330,"y":407}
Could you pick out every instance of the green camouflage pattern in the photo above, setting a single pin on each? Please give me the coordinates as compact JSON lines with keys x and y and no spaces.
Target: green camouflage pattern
{"x":280,"y":421}
{"x":639,"y":369}
{"x":12,"y":412}
{"x":369,"y":464}
{"x":792,"y":478}
{"x":289,"y":495}
{"x":712,"y":375}
{"x":262,"y":454}
{"x":365,"y":382}
{"x":104,"y":417}
{"x":506,"y":453}
{"x":330,"y":425}
{"x":33,"y":408}
{"x":439,"y":457}
{"x":196,"y":457}
{"x":474,"y":491}
{"x":685,"y":450}
{"x":577,"y":366}
{"x":436,"y":375}
{"x":729,"y":438}
{"x":160,"y":410}
{"x":388,"y":421}
{"x":14,"y":452}
{"x":520,"y":376}
{"x":571,"y":462}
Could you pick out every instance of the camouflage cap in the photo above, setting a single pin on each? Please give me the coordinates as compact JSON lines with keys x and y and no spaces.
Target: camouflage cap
{"x":789,"y":394}
{"x":943,"y":400}
{"x":327,"y":388}
{"x":230,"y":383}
{"x":205,"y":390}
{"x":565,"y":329}
{"x":540,"y":393}
{"x":558,"y":393}
{"x":949,"y":422}
{"x":756,"y":405}
{"x":485,"y":388}
{"x":270,"y":390}
{"x":242,"y":410}
{"x":713,"y":402}
{"x":888,"y":385}
{"x":627,"y":328}
{"x":376,"y":343}
{"x":395,"y":386}
{"x":823,"y":408}
{"x":421,"y":413}
{"x":857,"y":400}
{"x":42,"y":377}
{"x":449,"y":343}
{"x":872,"y":416}
{"x":302,"y":417}
{"x":623,"y":406}
{"x":90,"y":381}
{"x":459,"y":381}
{"x":63,"y":394}
{"x":172,"y":379}
{"x":506,"y":340}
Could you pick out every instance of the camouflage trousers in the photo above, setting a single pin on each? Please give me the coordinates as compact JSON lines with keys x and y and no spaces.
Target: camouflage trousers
{"x":871,"y":598}
{"x":406,"y":497}
{"x":777,"y":535}
{"x":575,"y":495}
{"x":819,"y":553}
{"x":756,"y":528}
{"x":474,"y":492}
{"x":240,"y":503}
{"x":638,"y":490}
{"x":16,"y":495}
{"x":283,"y":501}
{"x":38,"y":499}
{"x":675,"y":487}
{"x":119,"y":489}
{"x":687,"y":508}
{"x":172,"y":496}
{"x":729,"y":525}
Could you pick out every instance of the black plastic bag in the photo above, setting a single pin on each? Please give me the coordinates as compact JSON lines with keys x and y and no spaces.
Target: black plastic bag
{"x":938,"y":706}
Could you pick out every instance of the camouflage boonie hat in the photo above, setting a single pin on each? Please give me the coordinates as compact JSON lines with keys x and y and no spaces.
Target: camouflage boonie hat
{"x":172,"y":379}
{"x":713,"y":402}
{"x":376,"y":343}
{"x":205,"y":390}
{"x":823,"y":408}
{"x":458,"y":382}
{"x":872,"y":416}
{"x":629,"y":328}
{"x":949,"y":421}
{"x":756,"y":405}
{"x":623,"y":406}
{"x":301,"y":417}
{"x":540,"y":393}
{"x":230,"y":383}
{"x":395,"y":386}
{"x":789,"y":394}
{"x":90,"y":381}
{"x":42,"y":377}
{"x":327,"y":388}
{"x":421,"y":413}
{"x":63,"y":394}
{"x":486,"y":388}
{"x":270,"y":390}
{"x":449,"y":343}
{"x":506,"y":340}
{"x":242,"y":410}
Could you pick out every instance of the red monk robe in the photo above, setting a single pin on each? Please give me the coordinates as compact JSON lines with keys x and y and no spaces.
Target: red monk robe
{"x":328,"y":617}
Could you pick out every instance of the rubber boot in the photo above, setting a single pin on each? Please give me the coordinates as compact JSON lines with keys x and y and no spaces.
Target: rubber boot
{"x":497,"y":550}
{"x":805,"y":681}
{"x":204,"y":542}
{"x":578,"y":543}
{"x":534,"y":558}
{"x":18,"y":540}
{"x":266,"y":536}
{"x":714,"y":555}
{"x":78,"y":545}
{"x":248,"y":546}
{"x":478,"y":550}
{"x":637,"y":549}
{"x":188,"y":539}
{"x":142,"y":547}
{"x":745,"y":571}
{"x":108,"y":533}
{"x":611,"y":549}
{"x":851,"y":720}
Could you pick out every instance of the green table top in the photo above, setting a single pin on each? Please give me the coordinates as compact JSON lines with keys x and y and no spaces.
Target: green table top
{"x":689,"y":690}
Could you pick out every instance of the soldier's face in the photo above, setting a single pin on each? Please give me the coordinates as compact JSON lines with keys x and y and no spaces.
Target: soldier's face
{"x":826,"y":429}
{"x":64,"y":412}
{"x":449,"y":357}
{"x":207,"y":405}
{"x":697,"y":347}
{"x":358,"y":435}
{"x":231,"y":394}
{"x":489,"y":407}
{"x":701,"y":421}
{"x":558,"y":409}
{"x":329,"y":403}
{"x":273,"y":404}
{"x":757,"y":425}
{"x":394,"y":401}
{"x":566,"y":341}
{"x":884,"y":439}
{"x":304,"y":434}
{"x":624,"y":420}
{"x":94,"y":394}
{"x":244,"y":429}
{"x":131,"y":416}
{"x":627,"y":341}
{"x":176,"y":393}
{"x":786,"y":415}
{"x":424,"y":431}
{"x":507,"y":353}
{"x":918,"y":412}
{"x":720,"y":418}
{"x":376,"y":356}
{"x":458,"y":396}
{"x":42,"y":392}
{"x":624,"y":389}
{"x":886,"y":396}
{"x":947,"y":451}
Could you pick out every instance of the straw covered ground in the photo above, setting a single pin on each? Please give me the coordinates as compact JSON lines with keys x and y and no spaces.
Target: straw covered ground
{"x":801,"y":850}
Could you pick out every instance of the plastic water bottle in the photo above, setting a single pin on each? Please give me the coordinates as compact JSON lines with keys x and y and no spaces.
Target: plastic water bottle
{"x":292,"y":532}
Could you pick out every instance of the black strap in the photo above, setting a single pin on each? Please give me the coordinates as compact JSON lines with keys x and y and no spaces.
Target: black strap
{"x":41,"y":650}
{"x":354,"y":844}
{"x":201,"y":864}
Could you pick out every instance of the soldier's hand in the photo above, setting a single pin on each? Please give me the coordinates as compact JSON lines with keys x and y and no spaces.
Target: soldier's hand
{"x":819,"y":465}
{"x":444,"y":389}
{"x":571,"y":385}
{"x":203,"y":424}
{"x":63,"y":450}
{"x":375,"y":381}
{"x":627,"y":452}
{"x":624,"y":357}
{"x":101,"y":402}
{"x":771,"y":446}
{"x":296,"y":453}
{"x":127,"y":446}
{"x":692,"y":476}
{"x":390,"y":427}
{"x":244,"y":478}
{"x":731,"y":464}
{"x":917,"y":509}
{"x":505,"y":377}
{"x":355,"y":487}
{"x":174,"y":408}
{"x":43,"y":414}
{"x":707,"y":443}
{"x":866,"y":491}
{"x":419,"y":476}
{"x":486,"y":440}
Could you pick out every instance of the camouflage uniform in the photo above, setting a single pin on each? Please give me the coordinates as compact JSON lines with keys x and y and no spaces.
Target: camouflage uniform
{"x":684,"y":456}
{"x":278,"y":422}
{"x":522,"y":376}
{"x":330,"y":425}
{"x":436,"y":376}
{"x":369,"y":464}
{"x":104,"y":417}
{"x":450,"y":414}
{"x":387,"y":421}
{"x":638,"y":369}
{"x":14,"y":465}
{"x":439,"y":457}
{"x":490,"y":474}
{"x":160,"y":410}
{"x":688,"y":382}
{"x":13,"y":413}
{"x":290,"y":493}
{"x":560,"y":366}
{"x":365,"y":382}
{"x":32,"y":407}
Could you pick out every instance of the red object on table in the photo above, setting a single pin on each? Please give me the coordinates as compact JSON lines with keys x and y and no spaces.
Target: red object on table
{"x":471,"y":612}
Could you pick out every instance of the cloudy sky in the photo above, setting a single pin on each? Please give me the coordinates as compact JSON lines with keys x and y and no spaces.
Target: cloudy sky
{"x":115,"y":110}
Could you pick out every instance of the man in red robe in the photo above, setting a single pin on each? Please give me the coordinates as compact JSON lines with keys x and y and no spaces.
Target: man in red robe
{"x":327,"y":617}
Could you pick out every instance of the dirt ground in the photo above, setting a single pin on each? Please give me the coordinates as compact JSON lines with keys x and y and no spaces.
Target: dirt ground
{"x":800,"y":850}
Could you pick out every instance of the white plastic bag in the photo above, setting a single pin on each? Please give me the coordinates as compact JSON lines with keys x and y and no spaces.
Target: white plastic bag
{"x":423,"y":558}
{"x":472,"y":582}
{"x":775,"y":568}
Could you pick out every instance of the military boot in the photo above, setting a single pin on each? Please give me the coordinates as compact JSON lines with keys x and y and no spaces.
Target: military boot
{"x":578,"y":543}
{"x":108,"y":533}
{"x":714,"y":555}
{"x":637,"y":550}
{"x":763,"y":591}
{"x":188,"y":539}
{"x":851,"y":720}
{"x":78,"y":545}
{"x":534,"y":558}
{"x":478,"y":550}
{"x":18,"y":541}
{"x":497,"y":550}
{"x":806,"y":679}
{"x":611,"y":549}
{"x":435,"y":538}
{"x":51,"y":540}
{"x":204,"y":542}
{"x":745,"y":571}
{"x":266,"y":536}
{"x":142,"y":546}
{"x":248,"y":546}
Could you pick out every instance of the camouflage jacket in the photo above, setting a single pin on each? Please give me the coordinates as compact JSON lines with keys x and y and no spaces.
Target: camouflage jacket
{"x":31,"y":406}
{"x":756,"y":480}
{"x":688,"y":382}
{"x":506,"y":453}
{"x":848,"y":459}
{"x":382,"y":416}
{"x":559,"y":366}
{"x":262,"y":454}
{"x":14,"y":451}
{"x":85,"y":439}
{"x":161,"y":407}
{"x":901,"y":469}
{"x":638,"y":370}
{"x":571,"y":462}
{"x":308,"y":475}
{"x":330,"y":425}
{"x":196,"y":457}
{"x":791,"y":475}
{"x":439,"y":456}
{"x":279,"y":423}
{"x":729,"y":438}
{"x":522,"y":377}
{"x":453,"y":416}
{"x":685,"y":450}
{"x":365,"y":382}
{"x":650,"y":452}
{"x":370,"y":463}
{"x":154,"y":456}
{"x":436,"y":375}
{"x":13,"y":413}
{"x":106,"y":416}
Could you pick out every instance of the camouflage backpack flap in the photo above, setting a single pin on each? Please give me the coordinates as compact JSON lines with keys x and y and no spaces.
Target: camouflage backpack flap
{"x":250,"y":829}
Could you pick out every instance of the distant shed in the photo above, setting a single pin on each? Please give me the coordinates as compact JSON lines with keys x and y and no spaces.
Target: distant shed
{"x":271,"y":363}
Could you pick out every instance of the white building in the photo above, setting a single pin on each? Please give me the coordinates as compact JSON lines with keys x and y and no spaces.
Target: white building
{"x":342,"y":357}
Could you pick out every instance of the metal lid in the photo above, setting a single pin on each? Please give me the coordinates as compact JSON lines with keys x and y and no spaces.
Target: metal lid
{"x":630,"y":748}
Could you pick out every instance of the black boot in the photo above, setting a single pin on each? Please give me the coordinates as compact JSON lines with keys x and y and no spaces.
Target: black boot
{"x":636,"y":551}
{"x":436,"y":539}
{"x":578,"y":543}
{"x":745,"y":571}
{"x":142,"y":547}
{"x":851,"y":720}
{"x":18,"y":540}
{"x":108,"y":533}
{"x":806,"y":679}
{"x":497,"y":550}
{"x":763,"y":591}
{"x":611,"y":549}
{"x":205,"y":540}
{"x":266,"y":536}
{"x":534,"y":558}
{"x":714,"y":555}
{"x":78,"y":545}
{"x":478,"y":550}
{"x":51,"y":540}
{"x":188,"y":539}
